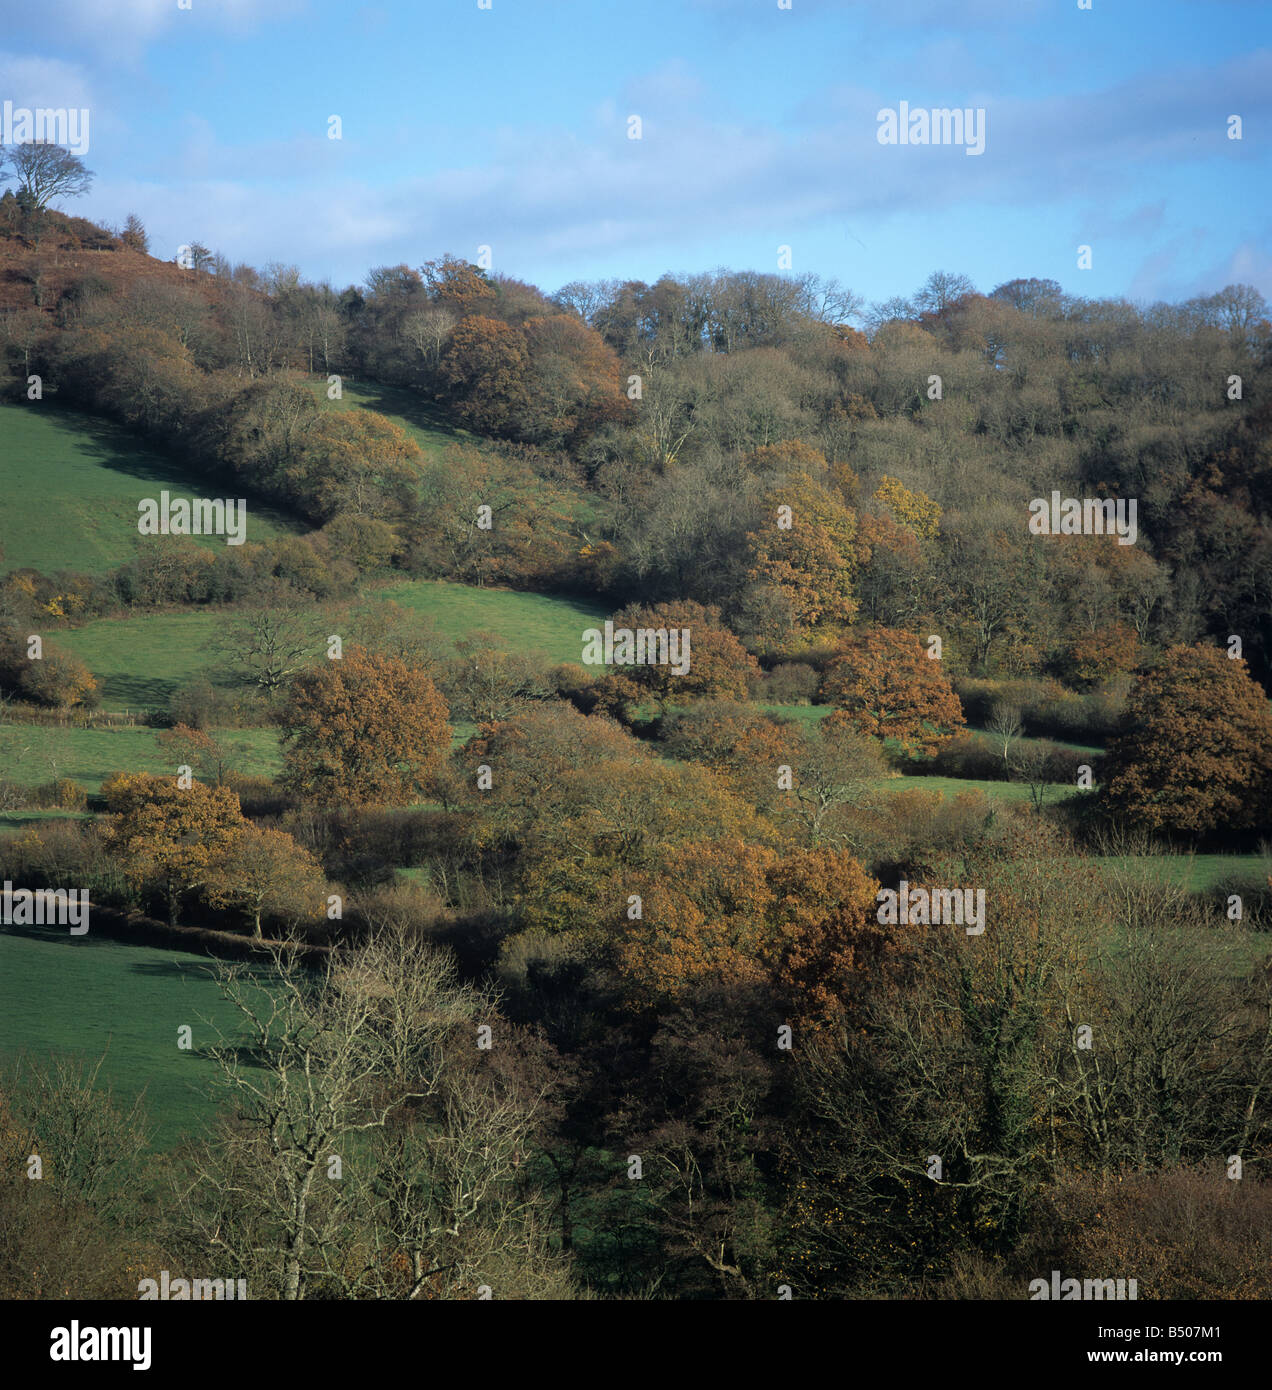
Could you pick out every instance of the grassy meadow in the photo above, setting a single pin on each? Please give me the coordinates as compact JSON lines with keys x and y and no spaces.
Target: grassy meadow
{"x":124,"y":1003}
{"x":71,"y":484}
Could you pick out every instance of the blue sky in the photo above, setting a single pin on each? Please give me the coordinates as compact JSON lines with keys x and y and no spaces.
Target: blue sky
{"x":507,"y":127}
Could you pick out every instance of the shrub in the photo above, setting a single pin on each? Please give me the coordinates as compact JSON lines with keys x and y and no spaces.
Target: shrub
{"x":64,"y":794}
{"x":790,"y":683}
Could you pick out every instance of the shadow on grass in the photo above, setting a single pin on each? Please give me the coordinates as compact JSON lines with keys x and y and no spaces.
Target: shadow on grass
{"x":413,"y":408}
{"x":113,"y":447}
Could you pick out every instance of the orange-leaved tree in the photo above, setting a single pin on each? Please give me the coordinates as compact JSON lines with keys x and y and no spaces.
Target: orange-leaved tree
{"x":363,"y":730}
{"x":718,"y":664}
{"x":702,"y":917}
{"x":356,"y":461}
{"x":484,"y":369}
{"x":177,"y":835}
{"x":910,"y":508}
{"x":807,"y":553}
{"x":722,"y":910}
{"x":1111,"y":650}
{"x":1196,"y":754}
{"x":267,"y":873}
{"x":886,"y":685}
{"x":824,"y":938}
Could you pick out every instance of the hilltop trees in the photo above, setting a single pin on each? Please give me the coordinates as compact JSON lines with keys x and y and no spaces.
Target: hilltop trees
{"x":483,"y":369}
{"x":550,"y":380}
{"x":44,"y":171}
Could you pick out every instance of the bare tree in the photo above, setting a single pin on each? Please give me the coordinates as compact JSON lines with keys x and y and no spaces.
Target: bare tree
{"x":427,"y":329}
{"x":1004,"y":721}
{"x":375,"y":1147}
{"x":831,"y":775}
{"x":941,"y":289}
{"x":272,"y":642}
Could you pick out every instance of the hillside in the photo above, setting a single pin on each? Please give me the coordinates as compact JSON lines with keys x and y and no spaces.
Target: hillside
{"x":72,"y":482}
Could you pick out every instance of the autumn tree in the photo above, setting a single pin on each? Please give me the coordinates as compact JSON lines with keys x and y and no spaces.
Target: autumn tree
{"x":364,"y":730}
{"x":459,"y":286}
{"x":634,"y":818}
{"x":267,"y":873}
{"x":719,"y":665}
{"x":740,"y":915}
{"x":790,"y":456}
{"x":806,"y":555}
{"x":910,"y":508}
{"x":824,"y":936}
{"x":583,"y":806}
{"x":702,"y":918}
{"x":573,"y":386}
{"x":171,"y":833}
{"x":1196,"y":753}
{"x":1096,"y":656}
{"x":834,"y":781}
{"x":483,"y":369}
{"x":736,"y":740}
{"x":196,"y":749}
{"x":356,"y":461}
{"x":886,"y":685}
{"x":58,"y":679}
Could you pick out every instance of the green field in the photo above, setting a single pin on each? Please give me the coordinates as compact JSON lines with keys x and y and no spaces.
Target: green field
{"x":1198,"y":873}
{"x":539,"y":625}
{"x":71,"y":484}
{"x":806,"y":716}
{"x":139,"y":661}
{"x":93,"y":996}
{"x":407,"y":409}
{"x":952,"y":786}
{"x":142,"y":659}
{"x":31,"y":754}
{"x":15,"y":822}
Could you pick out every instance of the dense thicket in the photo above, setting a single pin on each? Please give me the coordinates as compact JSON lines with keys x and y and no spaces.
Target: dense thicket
{"x":604,"y":1000}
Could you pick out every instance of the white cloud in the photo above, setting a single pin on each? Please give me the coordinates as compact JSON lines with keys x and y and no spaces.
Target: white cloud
{"x":120,"y":30}
{"x":43,"y":82}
